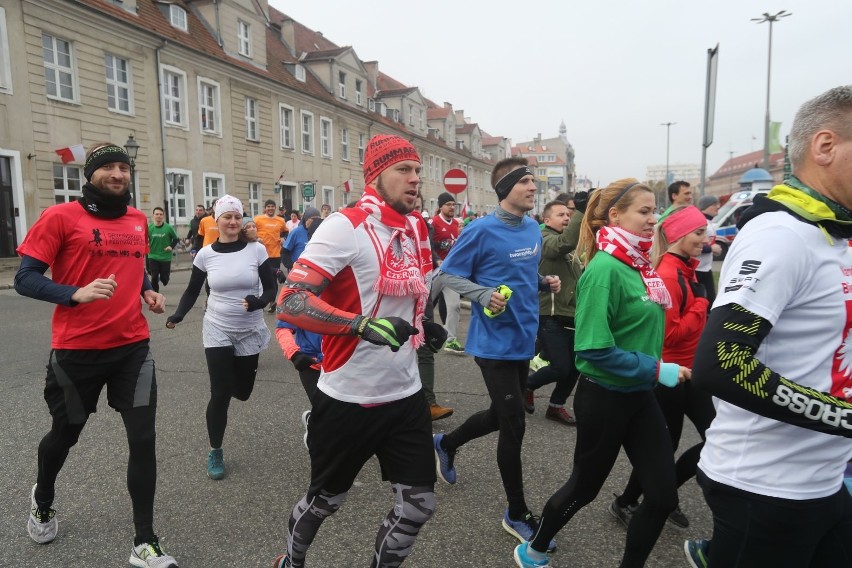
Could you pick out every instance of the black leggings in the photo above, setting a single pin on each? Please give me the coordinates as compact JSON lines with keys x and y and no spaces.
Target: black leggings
{"x":230,"y":376}
{"x":160,"y":271}
{"x":505,"y":381}
{"x":141,"y":465}
{"x":606,"y":421}
{"x":683,"y":400}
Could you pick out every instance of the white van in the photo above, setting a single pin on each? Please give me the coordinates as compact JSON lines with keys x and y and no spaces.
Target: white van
{"x":725,"y":221}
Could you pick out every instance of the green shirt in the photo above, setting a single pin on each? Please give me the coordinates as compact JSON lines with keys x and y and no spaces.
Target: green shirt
{"x":614,"y":310}
{"x":158,"y":239}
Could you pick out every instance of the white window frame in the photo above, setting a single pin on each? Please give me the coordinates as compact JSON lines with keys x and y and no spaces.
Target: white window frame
{"x":328,"y":196}
{"x":306,"y":135}
{"x":344,"y":144}
{"x":255,"y":198}
{"x":244,"y":38}
{"x":177,"y":17}
{"x":59,"y":70}
{"x":115,"y":83}
{"x":421,"y":119}
{"x":208,"y":193}
{"x":371,"y":104}
{"x":252,"y":127}
{"x":5,"y":60}
{"x":299,"y":73}
{"x":358,"y":98}
{"x":362,"y":144}
{"x":209,"y":110}
{"x":184,"y":195}
{"x":410,"y":115}
{"x":174,"y":104}
{"x":285,"y":130}
{"x":326,"y":137}
{"x":64,"y":192}
{"x":341,"y":84}
{"x":431,"y":166}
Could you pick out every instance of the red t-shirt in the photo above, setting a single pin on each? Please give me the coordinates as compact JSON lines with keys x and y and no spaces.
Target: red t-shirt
{"x":445,"y":234}
{"x":79,"y":248}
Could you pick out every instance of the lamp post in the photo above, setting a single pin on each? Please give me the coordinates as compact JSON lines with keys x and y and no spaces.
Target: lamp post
{"x":771,"y":18}
{"x":668,"y":126}
{"x":132,"y":149}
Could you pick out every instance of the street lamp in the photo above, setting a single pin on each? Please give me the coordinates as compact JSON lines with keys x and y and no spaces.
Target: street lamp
{"x":132,"y":149}
{"x":668,"y":126}
{"x":771,"y":18}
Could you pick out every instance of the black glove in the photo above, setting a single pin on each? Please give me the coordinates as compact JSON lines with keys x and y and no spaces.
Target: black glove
{"x":254,"y":303}
{"x":581,"y":198}
{"x":392,"y":331}
{"x":174,"y":318}
{"x":698,"y":289}
{"x":302,"y":361}
{"x":435,"y":335}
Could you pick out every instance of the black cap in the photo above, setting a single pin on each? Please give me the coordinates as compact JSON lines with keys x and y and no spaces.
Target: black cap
{"x":445,"y":198}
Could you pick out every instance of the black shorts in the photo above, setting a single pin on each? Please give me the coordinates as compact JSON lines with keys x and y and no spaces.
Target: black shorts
{"x":344,"y":435}
{"x":75,"y":378}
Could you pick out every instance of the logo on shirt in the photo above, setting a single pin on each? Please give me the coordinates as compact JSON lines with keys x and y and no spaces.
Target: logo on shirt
{"x":745,"y":278}
{"x":524,"y":252}
{"x":96,"y":238}
{"x":841,"y":365}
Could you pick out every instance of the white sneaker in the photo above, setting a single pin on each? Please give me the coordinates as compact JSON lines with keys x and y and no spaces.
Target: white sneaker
{"x":42,"y":526}
{"x":306,"y":417}
{"x":150,"y":555}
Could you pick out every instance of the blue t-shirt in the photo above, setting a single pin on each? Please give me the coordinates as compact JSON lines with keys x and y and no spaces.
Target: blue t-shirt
{"x":489,"y":253}
{"x":296,"y":241}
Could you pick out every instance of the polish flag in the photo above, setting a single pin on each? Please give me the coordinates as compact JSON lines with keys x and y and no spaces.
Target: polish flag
{"x":74,"y":153}
{"x":463,"y":212}
{"x":347,"y":185}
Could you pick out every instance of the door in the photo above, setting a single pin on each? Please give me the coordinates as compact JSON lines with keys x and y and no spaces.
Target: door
{"x":8,"y":212}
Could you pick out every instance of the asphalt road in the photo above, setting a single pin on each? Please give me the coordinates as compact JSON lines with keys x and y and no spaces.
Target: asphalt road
{"x":240,"y":521}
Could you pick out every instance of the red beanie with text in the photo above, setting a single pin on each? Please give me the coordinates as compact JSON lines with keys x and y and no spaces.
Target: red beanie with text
{"x":383,"y":151}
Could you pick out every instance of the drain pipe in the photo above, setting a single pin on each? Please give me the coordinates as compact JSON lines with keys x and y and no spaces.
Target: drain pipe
{"x":173,"y":210}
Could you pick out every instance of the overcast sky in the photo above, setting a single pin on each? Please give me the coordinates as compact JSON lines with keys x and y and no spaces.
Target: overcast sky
{"x":612,"y":70}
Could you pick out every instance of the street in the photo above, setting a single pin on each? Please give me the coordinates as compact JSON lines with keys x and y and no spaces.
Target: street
{"x":241,"y":520}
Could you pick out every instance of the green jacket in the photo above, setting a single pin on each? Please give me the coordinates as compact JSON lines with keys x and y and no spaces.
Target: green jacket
{"x":557,"y":258}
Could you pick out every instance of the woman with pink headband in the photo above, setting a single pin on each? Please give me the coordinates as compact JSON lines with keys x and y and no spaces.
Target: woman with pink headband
{"x":677,"y":245}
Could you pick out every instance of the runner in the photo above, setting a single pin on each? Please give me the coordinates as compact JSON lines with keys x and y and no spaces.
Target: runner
{"x":161,"y":240}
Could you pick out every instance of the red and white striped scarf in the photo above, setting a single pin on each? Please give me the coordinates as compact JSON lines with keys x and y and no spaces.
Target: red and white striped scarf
{"x":407,"y":262}
{"x":632,"y":250}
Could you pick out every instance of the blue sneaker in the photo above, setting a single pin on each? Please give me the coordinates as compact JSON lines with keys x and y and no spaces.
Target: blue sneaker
{"x":697,"y":552}
{"x":444,"y":461}
{"x":215,"y":464}
{"x":524,"y":529}
{"x":522,"y":558}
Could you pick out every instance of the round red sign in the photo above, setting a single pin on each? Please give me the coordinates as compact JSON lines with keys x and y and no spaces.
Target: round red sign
{"x":455,"y":180}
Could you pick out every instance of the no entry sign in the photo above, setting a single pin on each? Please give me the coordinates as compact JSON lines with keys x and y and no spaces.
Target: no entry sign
{"x":455,"y":180}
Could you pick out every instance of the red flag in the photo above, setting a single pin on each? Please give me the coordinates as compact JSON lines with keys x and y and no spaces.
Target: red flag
{"x":75,"y":153}
{"x":347,"y":185}
{"x":463,"y":212}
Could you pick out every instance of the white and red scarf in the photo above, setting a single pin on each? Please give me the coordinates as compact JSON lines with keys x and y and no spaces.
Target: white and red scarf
{"x":632,"y":250}
{"x":407,"y":262}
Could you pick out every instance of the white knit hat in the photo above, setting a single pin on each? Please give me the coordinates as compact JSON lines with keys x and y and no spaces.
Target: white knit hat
{"x":227,"y":203}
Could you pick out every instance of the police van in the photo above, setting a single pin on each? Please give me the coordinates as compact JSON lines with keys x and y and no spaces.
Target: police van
{"x":752,"y":183}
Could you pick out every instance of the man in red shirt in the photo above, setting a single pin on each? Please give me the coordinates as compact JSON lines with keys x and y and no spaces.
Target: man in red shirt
{"x":446,"y":230}
{"x":95,"y":249}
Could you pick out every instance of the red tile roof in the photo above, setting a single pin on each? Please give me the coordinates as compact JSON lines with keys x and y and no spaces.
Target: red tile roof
{"x":741,"y":164}
{"x":441,"y":112}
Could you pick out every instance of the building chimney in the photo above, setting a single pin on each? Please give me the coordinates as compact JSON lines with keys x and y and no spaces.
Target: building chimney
{"x":288,"y":35}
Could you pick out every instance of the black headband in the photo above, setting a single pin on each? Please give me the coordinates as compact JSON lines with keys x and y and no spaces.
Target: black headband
{"x":619,"y":196}
{"x":508,"y":181}
{"x":104,"y":155}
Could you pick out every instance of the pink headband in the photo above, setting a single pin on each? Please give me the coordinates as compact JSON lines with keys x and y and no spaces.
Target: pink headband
{"x":682,"y":222}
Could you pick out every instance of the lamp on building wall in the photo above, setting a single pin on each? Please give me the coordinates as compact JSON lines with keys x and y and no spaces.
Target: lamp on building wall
{"x":132,"y":149}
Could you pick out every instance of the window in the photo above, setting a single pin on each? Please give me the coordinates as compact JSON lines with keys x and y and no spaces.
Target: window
{"x":410,"y":115}
{"x":174,"y":96}
{"x":176,"y":196}
{"x":5,"y":62}
{"x":341,"y":84}
{"x":66,"y":183}
{"x":208,"y":102}
{"x":117,"y":71}
{"x":214,"y":188}
{"x":358,"y":100}
{"x":244,"y":38}
{"x":421,"y":119}
{"x":307,"y":132}
{"x":395,"y":115}
{"x":431,"y":167}
{"x":325,"y":137}
{"x":371,"y":104}
{"x":344,"y":144}
{"x":254,"y":198}
{"x":328,"y":196}
{"x":285,"y":115}
{"x":59,"y":79}
{"x":177,"y":17}
{"x":251,"y":119}
{"x":361,"y":141}
{"x":300,"y":73}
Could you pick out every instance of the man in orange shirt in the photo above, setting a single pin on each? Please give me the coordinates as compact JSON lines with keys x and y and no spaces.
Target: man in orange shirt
{"x":271,"y":230}
{"x":207,"y":228}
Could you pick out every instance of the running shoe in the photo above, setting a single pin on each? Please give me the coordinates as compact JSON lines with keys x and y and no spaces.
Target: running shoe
{"x":559,"y":414}
{"x":522,"y":558}
{"x":444,"y":461}
{"x":453,"y":346}
{"x":42,"y":525}
{"x":678,"y":519}
{"x":151,"y":555}
{"x":215,"y":464}
{"x":529,"y":401}
{"x":524,"y":529}
{"x":281,"y":561}
{"x":537,"y":363}
{"x":697,"y":552}
{"x":438,"y":412}
{"x":622,"y":514}
{"x":306,"y":417}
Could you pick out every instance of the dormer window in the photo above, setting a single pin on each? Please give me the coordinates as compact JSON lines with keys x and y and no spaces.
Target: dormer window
{"x":300,"y":73}
{"x":371,"y":104}
{"x":358,"y":100}
{"x":244,"y":38}
{"x":341,"y":84}
{"x":177,"y":17}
